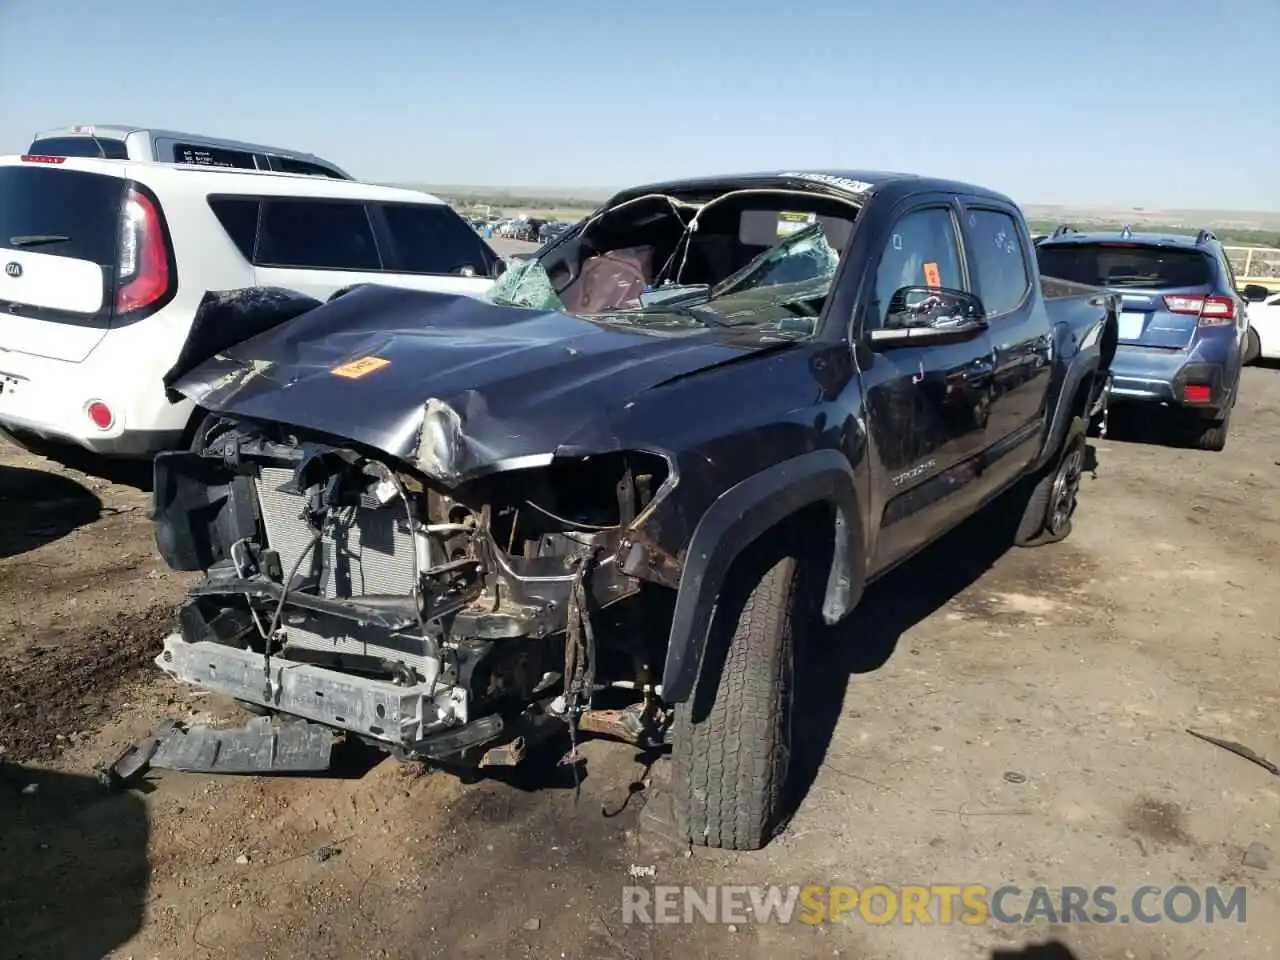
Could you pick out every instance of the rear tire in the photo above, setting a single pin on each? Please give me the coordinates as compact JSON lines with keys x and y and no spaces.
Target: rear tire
{"x":1212,"y":435}
{"x":1051,"y":505}
{"x":732,"y":741}
{"x":1252,"y":347}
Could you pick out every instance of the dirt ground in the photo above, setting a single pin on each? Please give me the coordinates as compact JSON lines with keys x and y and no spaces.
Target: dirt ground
{"x":989,"y":716}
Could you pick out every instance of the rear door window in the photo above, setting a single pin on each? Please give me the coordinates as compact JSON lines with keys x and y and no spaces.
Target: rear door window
{"x":1124,"y":264}
{"x":432,"y":238}
{"x":61,"y":213}
{"x":316,"y":235}
{"x":79,"y":147}
{"x":997,"y":261}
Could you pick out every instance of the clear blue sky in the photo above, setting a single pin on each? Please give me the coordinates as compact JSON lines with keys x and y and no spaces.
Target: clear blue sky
{"x":1149,"y":103}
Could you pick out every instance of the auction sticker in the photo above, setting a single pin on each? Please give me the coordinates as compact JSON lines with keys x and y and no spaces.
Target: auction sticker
{"x":359,"y":368}
{"x":789,"y":223}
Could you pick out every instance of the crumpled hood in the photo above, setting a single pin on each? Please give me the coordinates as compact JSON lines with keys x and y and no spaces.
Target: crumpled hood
{"x":456,"y":385}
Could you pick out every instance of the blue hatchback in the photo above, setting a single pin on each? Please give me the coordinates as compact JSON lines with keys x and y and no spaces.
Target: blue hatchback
{"x":1183,"y":325}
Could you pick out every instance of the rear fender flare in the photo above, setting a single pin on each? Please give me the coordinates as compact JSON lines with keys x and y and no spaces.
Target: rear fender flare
{"x":1063,"y":410}
{"x":735,"y":520}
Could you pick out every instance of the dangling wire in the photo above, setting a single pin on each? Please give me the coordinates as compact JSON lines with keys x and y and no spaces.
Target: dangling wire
{"x":579,"y":661}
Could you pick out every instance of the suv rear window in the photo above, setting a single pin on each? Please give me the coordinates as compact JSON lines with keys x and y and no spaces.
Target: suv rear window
{"x":79,"y":147}
{"x":1148,"y":267}
{"x":39,"y":205}
{"x":433,"y":238}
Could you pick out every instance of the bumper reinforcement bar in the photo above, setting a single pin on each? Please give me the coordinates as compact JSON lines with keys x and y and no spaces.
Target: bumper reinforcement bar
{"x":375,"y":709}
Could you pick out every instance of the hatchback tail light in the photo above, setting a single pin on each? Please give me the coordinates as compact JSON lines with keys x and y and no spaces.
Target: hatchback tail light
{"x":145,"y":275}
{"x":1209,"y":311}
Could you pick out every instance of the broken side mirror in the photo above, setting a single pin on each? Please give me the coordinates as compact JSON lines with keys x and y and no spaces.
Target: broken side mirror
{"x":497,"y":268}
{"x":929,"y":315}
{"x":1255,"y":292}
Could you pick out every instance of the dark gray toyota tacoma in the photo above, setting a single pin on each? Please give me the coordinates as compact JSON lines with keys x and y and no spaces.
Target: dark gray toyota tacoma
{"x":442,"y":524}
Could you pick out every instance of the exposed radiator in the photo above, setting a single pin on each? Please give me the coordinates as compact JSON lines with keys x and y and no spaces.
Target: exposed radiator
{"x":368,"y":551}
{"x":343,"y":638}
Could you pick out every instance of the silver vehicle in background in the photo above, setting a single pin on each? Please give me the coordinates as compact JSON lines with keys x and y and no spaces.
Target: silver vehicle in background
{"x":125,"y":142}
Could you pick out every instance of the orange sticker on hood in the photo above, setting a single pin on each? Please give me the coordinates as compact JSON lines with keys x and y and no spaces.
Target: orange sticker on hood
{"x":358,"y":368}
{"x":932,"y":278}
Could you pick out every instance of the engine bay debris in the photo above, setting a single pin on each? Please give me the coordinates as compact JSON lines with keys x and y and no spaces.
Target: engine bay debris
{"x":262,"y":746}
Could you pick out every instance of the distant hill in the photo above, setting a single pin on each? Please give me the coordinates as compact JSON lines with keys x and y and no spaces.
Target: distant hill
{"x":516,"y":196}
{"x":1232,"y":226}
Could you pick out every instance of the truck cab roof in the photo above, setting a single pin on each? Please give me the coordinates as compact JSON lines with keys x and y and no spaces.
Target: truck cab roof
{"x":853,"y":184}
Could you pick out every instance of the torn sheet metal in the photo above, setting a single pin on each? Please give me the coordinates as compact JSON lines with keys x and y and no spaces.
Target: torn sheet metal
{"x":260,"y":747}
{"x":227,"y":317}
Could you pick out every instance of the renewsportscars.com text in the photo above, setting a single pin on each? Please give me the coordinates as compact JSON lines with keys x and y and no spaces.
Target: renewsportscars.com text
{"x":972,"y":904}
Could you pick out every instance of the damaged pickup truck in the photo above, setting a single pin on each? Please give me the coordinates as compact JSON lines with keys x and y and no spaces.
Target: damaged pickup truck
{"x":652,"y":463}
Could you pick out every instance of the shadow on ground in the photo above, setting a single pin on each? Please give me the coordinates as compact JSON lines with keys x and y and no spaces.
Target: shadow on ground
{"x":38,"y":508}
{"x":129,"y":473}
{"x":75,"y":875}
{"x":1053,"y":950}
{"x":868,"y":638}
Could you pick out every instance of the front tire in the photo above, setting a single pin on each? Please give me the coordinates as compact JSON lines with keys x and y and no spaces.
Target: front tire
{"x":206,"y":429}
{"x":732,"y":742}
{"x":1051,"y":506}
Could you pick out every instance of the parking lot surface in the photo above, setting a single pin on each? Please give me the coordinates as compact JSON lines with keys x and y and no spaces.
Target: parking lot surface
{"x":990,"y":716}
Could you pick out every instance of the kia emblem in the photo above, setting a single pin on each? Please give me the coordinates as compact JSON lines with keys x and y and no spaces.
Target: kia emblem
{"x":13,"y":269}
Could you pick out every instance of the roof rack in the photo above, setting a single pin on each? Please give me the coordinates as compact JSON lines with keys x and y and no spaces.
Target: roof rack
{"x":1062,"y":230}
{"x":1204,"y":236}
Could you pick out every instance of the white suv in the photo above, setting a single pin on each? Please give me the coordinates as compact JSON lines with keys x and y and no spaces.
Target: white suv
{"x":104,"y":262}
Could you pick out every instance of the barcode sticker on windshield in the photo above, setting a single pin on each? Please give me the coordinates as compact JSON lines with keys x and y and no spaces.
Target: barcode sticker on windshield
{"x":932,"y":277}
{"x":359,"y":368}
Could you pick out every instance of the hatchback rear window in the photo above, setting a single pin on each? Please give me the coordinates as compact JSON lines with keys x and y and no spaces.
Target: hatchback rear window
{"x":79,"y":147}
{"x":1147,"y":267}
{"x":65,"y":213}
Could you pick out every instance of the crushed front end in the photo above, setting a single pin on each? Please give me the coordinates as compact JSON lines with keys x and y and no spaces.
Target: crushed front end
{"x":354,"y":591}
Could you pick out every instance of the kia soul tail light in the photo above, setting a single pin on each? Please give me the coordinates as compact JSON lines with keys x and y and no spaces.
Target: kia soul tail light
{"x":144,"y":273}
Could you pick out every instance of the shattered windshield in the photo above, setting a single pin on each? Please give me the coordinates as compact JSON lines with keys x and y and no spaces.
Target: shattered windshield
{"x":804,"y":256}
{"x":796,"y":270}
{"x":525,"y":284}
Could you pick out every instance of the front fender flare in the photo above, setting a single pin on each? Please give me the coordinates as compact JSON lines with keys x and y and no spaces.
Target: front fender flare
{"x":736,"y":519}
